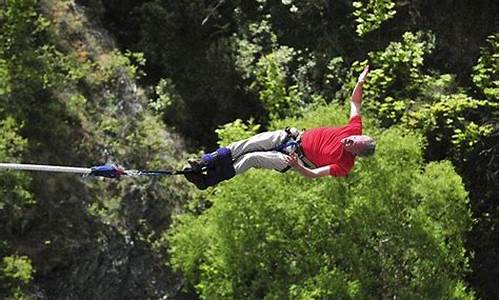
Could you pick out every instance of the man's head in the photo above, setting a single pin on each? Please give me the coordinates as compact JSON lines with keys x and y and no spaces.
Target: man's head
{"x":361,"y":145}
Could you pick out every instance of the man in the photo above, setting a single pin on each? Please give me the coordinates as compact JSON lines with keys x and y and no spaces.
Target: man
{"x":318,"y":152}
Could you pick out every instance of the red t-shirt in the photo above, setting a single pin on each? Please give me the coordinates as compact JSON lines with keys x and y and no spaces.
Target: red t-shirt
{"x":322,"y":146}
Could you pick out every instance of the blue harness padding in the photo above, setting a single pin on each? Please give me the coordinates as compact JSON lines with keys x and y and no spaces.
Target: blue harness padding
{"x":108,"y":171}
{"x":288,"y":147}
{"x":221,"y":156}
{"x":219,"y":166}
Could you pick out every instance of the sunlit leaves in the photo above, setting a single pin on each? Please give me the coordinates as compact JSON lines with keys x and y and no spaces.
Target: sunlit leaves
{"x":280,"y":75}
{"x":396,"y":77}
{"x":15,"y":273}
{"x":4,"y":78}
{"x":370,"y":14}
{"x":485,"y":75}
{"x":14,"y":194}
{"x":278,"y":98}
{"x":235,"y":131}
{"x":15,"y":197}
{"x":17,"y":268}
{"x":453,"y":122}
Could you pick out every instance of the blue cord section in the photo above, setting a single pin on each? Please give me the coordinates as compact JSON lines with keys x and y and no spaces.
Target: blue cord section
{"x":107,"y":171}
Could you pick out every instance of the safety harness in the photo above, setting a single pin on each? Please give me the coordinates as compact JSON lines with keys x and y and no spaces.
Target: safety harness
{"x":292,"y":145}
{"x":218,"y":166}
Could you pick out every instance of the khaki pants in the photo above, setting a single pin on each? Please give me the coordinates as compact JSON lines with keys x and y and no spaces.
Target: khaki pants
{"x":259,"y":152}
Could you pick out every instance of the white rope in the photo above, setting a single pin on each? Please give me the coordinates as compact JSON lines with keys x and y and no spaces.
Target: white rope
{"x":45,"y":168}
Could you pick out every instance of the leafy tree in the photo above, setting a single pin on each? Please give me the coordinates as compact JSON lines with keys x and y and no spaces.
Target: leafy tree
{"x":478,"y":151}
{"x":281,"y":76}
{"x":278,"y":99}
{"x":370,"y":14}
{"x":16,"y":20}
{"x":15,"y":199}
{"x":14,"y":195}
{"x":395,"y":79}
{"x":235,"y":131}
{"x":485,"y":72}
{"x":15,"y":273}
{"x":209,"y":91}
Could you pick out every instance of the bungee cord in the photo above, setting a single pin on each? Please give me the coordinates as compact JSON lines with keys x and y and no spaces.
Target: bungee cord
{"x":107,"y":171}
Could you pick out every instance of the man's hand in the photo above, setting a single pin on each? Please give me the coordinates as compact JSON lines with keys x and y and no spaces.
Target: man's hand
{"x":363,"y":75}
{"x":292,"y":160}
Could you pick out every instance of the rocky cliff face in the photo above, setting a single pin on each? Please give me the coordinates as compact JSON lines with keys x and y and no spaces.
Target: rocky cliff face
{"x":89,"y":238}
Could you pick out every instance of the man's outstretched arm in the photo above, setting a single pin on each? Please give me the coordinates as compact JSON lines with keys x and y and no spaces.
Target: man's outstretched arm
{"x":357,"y":94}
{"x":294,"y":162}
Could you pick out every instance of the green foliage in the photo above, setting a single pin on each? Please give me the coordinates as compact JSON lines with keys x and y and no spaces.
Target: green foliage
{"x":166,"y":96}
{"x":325,"y":115}
{"x":27,"y":57}
{"x":109,"y":63}
{"x":189,"y":239}
{"x":389,"y":230}
{"x":271,"y":75}
{"x":235,"y":131}
{"x":450,"y":122}
{"x":18,"y":61}
{"x":396,"y":76}
{"x":14,"y":194}
{"x":291,"y":4}
{"x":485,"y":74}
{"x":17,"y":268}
{"x":396,"y":80}
{"x":18,"y":18}
{"x":335,"y":75}
{"x":4,"y":78}
{"x":404,"y":58}
{"x":169,"y":103}
{"x":15,"y":199}
{"x":11,"y":144}
{"x":279,"y":99}
{"x":370,"y":14}
{"x":15,"y":273}
{"x":280,"y":75}
{"x":258,"y":38}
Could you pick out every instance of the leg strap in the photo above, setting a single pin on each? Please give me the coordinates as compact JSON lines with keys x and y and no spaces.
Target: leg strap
{"x":219,"y":166}
{"x":221,"y":156}
{"x":211,"y":169}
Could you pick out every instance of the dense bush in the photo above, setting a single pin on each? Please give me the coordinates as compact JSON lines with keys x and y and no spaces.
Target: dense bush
{"x":393,"y":228}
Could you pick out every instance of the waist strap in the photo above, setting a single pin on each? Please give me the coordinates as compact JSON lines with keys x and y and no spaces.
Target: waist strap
{"x":300,"y":153}
{"x":292,"y":145}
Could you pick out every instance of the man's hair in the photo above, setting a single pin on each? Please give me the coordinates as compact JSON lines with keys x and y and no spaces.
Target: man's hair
{"x":368,"y":148}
